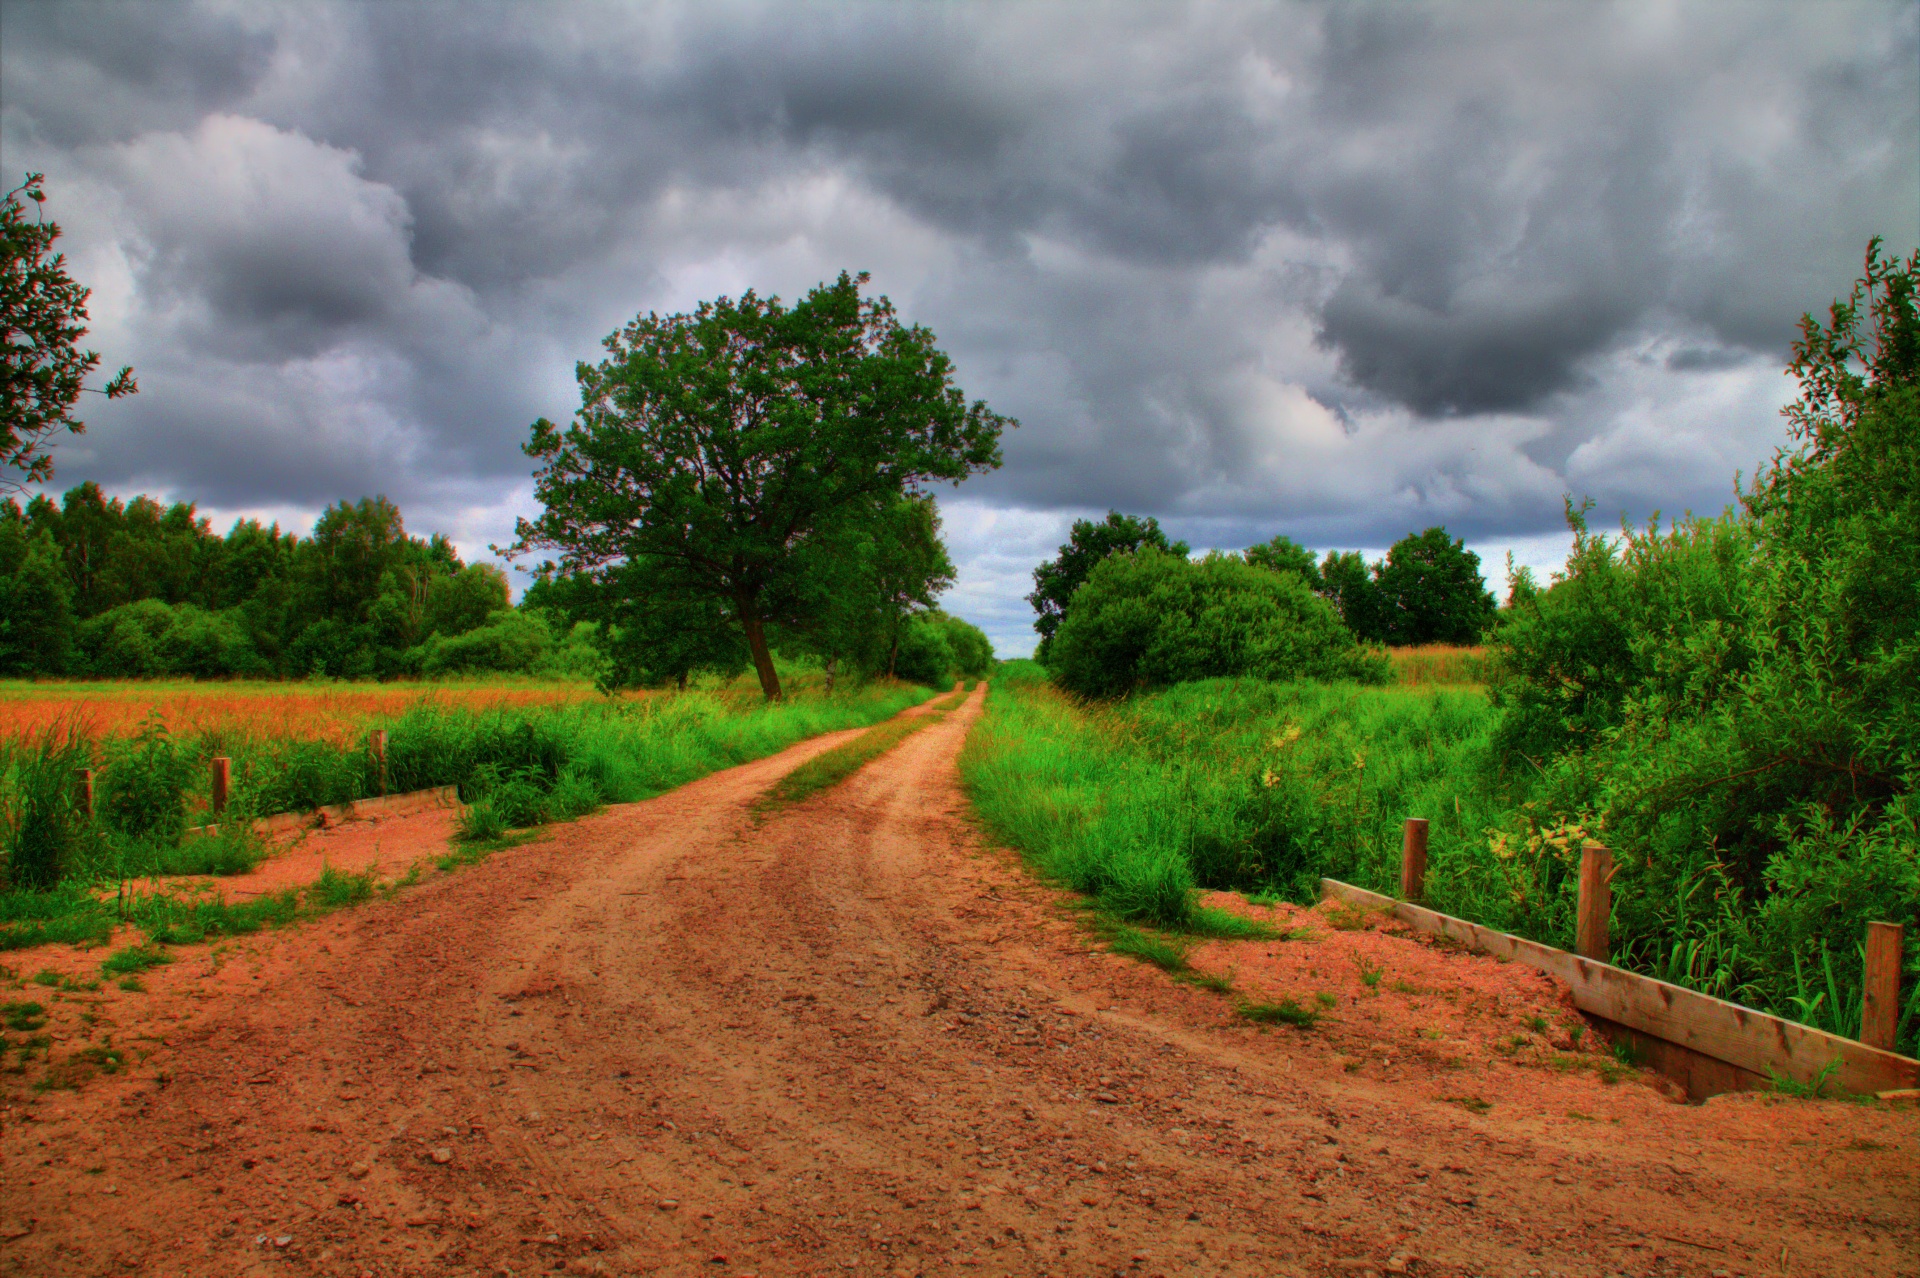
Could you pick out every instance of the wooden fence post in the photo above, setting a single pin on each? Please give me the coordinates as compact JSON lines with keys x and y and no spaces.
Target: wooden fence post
{"x":1596,"y":903}
{"x":380,"y":757}
{"x":1413,"y":860}
{"x":222,"y":776}
{"x":83,"y":790}
{"x":1880,"y":1014}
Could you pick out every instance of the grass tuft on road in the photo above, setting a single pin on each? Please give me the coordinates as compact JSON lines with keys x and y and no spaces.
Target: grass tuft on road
{"x":830,"y":768}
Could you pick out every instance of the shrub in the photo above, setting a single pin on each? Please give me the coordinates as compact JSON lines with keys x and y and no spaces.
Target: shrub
{"x":141,"y":790}
{"x":1149,"y":618}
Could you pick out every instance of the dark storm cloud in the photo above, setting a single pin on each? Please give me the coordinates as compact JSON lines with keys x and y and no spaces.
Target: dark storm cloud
{"x":1341,"y":270}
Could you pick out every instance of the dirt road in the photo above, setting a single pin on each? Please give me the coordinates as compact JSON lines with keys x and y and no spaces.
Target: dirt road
{"x":851,"y":1040}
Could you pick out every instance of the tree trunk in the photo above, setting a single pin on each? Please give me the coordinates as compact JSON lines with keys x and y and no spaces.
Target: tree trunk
{"x":833,"y":664}
{"x":683,"y":681}
{"x":762,"y":656}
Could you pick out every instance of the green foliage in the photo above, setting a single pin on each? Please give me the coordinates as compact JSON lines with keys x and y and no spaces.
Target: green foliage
{"x":1283,"y":554}
{"x":1088,"y":544}
{"x":134,"y":958}
{"x":139,"y":590}
{"x":41,"y":829}
{"x":36,"y":610}
{"x":724,"y":447}
{"x":1431,"y":591}
{"x":43,"y":312}
{"x":142,"y":787}
{"x":150,"y":639}
{"x":1427,"y":590}
{"x":1285,"y":1012}
{"x":1146,"y":619}
{"x":510,"y":643}
{"x":1733,"y":706}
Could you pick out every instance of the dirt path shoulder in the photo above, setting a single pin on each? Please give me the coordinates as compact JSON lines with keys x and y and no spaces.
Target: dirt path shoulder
{"x":669,"y":1039}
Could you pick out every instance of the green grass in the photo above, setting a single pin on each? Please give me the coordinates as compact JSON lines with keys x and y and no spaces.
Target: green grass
{"x":134,"y":958}
{"x":1284,"y":1012}
{"x":1265,"y":789}
{"x":515,"y":766}
{"x":831,"y":767}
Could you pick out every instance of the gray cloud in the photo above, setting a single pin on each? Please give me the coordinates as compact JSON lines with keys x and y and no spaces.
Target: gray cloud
{"x":1339,"y":271}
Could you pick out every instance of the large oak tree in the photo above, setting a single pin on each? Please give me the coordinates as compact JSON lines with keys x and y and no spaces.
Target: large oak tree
{"x":726,"y":443}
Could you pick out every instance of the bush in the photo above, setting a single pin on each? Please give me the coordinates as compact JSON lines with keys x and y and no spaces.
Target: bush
{"x":141,"y":791}
{"x":1149,"y":618}
{"x":149,"y":639}
{"x":510,"y":643}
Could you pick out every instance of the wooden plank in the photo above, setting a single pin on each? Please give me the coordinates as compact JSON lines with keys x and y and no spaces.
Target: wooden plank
{"x":1752,"y":1041}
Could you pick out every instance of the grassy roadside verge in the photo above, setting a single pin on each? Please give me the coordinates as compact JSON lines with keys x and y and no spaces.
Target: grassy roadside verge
{"x":831,"y":767}
{"x":1056,"y":785}
{"x":518,"y":767}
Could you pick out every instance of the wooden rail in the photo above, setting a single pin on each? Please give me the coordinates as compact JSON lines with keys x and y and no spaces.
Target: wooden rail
{"x":1708,"y":1044}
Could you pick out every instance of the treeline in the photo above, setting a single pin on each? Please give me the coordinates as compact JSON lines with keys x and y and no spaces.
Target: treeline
{"x":1124,"y":607}
{"x":92,"y":586}
{"x":98,"y":587}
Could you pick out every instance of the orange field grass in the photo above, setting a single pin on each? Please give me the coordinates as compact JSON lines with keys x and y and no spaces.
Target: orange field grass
{"x":333,"y":712}
{"x":1439,"y":663}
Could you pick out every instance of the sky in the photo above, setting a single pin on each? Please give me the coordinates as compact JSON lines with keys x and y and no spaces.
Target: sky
{"x":1340,"y":271}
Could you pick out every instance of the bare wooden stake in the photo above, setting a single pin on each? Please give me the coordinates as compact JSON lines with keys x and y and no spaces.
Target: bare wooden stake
{"x":1880,"y":1017}
{"x":1413,"y":860}
{"x":83,"y":790}
{"x":1596,"y":903}
{"x":222,"y":775}
{"x":380,"y":757}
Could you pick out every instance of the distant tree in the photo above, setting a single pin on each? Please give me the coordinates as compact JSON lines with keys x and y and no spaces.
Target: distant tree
{"x":726,"y":442}
{"x":43,"y":315}
{"x":1087,"y":545}
{"x":1283,"y":554}
{"x":1347,"y":582}
{"x":972,"y":650}
{"x":1431,"y":591}
{"x":36,"y":615}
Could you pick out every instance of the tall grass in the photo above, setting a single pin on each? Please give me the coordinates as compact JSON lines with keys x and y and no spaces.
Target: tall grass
{"x":1441,"y":663}
{"x":1268,"y":787}
{"x":517,"y":765}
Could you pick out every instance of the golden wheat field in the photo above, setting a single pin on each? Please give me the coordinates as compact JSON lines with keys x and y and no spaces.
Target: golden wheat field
{"x":335,"y":712}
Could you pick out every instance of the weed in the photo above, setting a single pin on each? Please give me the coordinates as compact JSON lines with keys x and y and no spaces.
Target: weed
{"x":1209,"y":981}
{"x":480,"y":823}
{"x":1809,"y":1090}
{"x":132,"y":984}
{"x":335,"y":889}
{"x":1162,"y":951}
{"x":1325,"y":999}
{"x":1538,"y":1024}
{"x":1433,"y":1034}
{"x":1369,"y":976}
{"x":135,"y":958}
{"x":1404,"y":987}
{"x":1629,"y":1053}
{"x":47,"y":976}
{"x":1576,"y":1033}
{"x":1344,"y":916}
{"x":22,"y":1016}
{"x":1284,"y":1012}
{"x":1472,"y":1104}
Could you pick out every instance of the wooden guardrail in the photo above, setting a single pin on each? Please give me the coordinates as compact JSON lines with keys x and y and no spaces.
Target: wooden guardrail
{"x":1707,"y":1044}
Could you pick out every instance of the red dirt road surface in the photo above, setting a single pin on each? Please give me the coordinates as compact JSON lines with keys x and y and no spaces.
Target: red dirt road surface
{"x":850,"y":1039}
